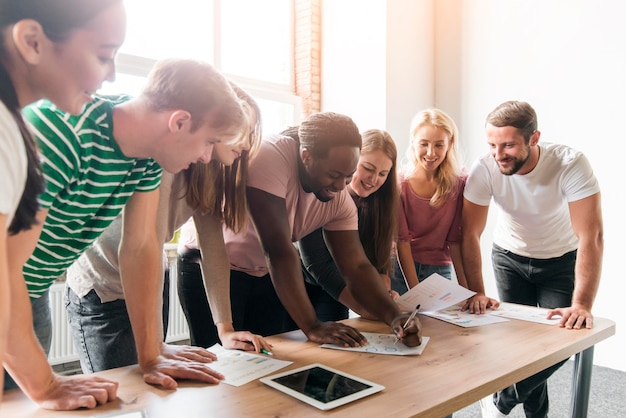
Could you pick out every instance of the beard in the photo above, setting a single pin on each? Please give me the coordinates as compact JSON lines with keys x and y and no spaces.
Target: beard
{"x":518,"y":163}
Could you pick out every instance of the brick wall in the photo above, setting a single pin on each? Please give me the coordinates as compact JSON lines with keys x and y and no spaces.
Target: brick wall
{"x":307,"y":54}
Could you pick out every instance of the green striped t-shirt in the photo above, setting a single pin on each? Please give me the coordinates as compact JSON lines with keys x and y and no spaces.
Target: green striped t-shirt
{"x":88,"y":182}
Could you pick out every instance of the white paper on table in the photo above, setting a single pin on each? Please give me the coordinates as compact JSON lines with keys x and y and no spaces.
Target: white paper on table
{"x":455,"y":316}
{"x":383,"y":344}
{"x":434,"y":293}
{"x":524,"y":313}
{"x":241,"y":367}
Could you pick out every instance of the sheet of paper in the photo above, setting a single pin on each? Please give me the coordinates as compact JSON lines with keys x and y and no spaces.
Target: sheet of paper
{"x":524,"y":313}
{"x":241,"y":367}
{"x":383,"y":344}
{"x":434,"y":293}
{"x":465,"y":319}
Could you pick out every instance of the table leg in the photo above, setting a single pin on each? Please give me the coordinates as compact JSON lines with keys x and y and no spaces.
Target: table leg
{"x":582,"y":380}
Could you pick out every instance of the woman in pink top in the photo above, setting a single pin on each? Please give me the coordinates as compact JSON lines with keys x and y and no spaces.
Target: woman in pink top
{"x":431,"y":199}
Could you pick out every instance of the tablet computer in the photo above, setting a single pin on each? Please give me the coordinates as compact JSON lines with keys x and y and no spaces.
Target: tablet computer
{"x":321,"y":386}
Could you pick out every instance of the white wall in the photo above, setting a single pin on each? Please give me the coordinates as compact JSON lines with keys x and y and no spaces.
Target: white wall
{"x":565,"y":57}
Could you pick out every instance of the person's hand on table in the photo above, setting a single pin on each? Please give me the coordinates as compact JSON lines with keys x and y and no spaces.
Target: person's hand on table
{"x":65,"y":393}
{"x":478,"y":304}
{"x":163,"y":371}
{"x":411,"y":336}
{"x":244,"y":340}
{"x":574,"y":317}
{"x":336,"y":333}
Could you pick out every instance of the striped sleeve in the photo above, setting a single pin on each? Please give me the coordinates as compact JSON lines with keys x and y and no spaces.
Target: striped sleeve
{"x":59,"y":148}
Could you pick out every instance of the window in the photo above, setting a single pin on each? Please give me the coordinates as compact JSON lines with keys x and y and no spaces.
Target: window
{"x":250,"y":41}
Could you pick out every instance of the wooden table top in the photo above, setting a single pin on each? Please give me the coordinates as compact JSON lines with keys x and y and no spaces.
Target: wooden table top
{"x":459,"y":366}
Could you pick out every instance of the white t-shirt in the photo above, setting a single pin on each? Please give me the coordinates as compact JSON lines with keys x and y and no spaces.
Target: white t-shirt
{"x":13,"y":164}
{"x":534,"y":219}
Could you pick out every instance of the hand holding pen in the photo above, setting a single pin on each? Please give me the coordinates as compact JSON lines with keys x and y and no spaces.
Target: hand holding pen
{"x":406,"y":324}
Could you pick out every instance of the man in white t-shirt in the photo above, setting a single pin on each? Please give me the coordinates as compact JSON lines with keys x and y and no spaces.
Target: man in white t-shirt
{"x":296,"y":185}
{"x":548,"y":239}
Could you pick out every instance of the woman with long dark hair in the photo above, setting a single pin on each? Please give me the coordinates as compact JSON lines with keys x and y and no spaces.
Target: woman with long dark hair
{"x":61,"y":50}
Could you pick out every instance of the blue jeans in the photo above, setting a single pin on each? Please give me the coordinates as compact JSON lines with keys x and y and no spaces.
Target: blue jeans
{"x":42,"y":323}
{"x":548,"y":283}
{"x":193,"y":300}
{"x":102,"y":332}
{"x":423,"y":271}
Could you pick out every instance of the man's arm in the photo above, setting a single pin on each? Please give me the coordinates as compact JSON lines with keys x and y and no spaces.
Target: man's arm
{"x":269,"y":215}
{"x":474,"y":220}
{"x":25,"y":359}
{"x":586,"y":216}
{"x":216,"y":277}
{"x":364,"y":282}
{"x":141,"y":271}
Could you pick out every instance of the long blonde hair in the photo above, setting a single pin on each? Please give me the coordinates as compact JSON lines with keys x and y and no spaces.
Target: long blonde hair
{"x":450,"y":169}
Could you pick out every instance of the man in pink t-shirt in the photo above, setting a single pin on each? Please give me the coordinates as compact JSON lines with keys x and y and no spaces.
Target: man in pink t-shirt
{"x":296,"y":184}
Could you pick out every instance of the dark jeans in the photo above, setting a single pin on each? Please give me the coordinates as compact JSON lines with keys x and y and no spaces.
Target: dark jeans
{"x":548,"y":283}
{"x":256,"y":306}
{"x":398,"y":283}
{"x":102,"y":332}
{"x":42,"y":322}
{"x":326,"y":307}
{"x":193,"y":299}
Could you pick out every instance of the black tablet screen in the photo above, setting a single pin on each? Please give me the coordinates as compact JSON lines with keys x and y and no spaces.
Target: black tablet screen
{"x":321,"y":384}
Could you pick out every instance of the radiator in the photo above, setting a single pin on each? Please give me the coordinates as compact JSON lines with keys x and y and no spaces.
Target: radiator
{"x":62,"y":349}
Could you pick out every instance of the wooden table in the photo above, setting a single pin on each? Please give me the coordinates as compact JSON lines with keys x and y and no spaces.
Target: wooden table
{"x":459,"y":366}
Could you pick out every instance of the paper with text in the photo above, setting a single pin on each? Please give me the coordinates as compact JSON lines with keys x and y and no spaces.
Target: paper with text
{"x":434,"y":293}
{"x":524,"y":313}
{"x":455,"y":316}
{"x":241,"y":367}
{"x":383,"y":344}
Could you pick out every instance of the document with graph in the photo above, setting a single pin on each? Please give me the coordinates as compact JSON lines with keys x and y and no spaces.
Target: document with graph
{"x":383,"y":344}
{"x":434,"y":293}
{"x":241,"y":367}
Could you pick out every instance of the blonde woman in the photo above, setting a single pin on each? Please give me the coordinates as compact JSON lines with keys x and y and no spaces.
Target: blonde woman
{"x":431,"y":200}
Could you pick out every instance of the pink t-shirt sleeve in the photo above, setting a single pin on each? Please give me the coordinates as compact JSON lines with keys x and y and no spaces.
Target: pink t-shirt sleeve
{"x":273,"y":153}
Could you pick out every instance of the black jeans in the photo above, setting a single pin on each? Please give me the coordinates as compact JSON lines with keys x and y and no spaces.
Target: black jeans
{"x":256,"y":306}
{"x":548,"y":283}
{"x":193,"y":300}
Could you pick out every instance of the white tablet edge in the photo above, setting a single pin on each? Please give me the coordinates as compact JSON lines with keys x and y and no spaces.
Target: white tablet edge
{"x":374,"y":387}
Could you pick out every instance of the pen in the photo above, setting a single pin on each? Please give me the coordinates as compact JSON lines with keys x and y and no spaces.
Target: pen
{"x":264,"y":351}
{"x":409,"y":319}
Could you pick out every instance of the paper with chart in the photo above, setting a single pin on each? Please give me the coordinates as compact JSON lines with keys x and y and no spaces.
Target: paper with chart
{"x":241,"y":367}
{"x":524,"y":313}
{"x":504,"y":312}
{"x":433,"y":294}
{"x":455,"y":316}
{"x":383,"y":344}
